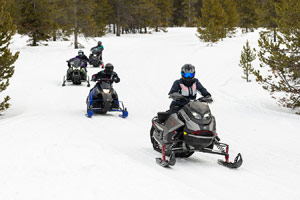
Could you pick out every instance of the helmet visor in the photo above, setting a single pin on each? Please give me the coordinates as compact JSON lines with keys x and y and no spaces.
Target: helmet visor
{"x":188,"y":75}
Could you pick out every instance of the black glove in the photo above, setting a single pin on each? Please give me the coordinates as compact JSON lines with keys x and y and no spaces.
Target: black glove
{"x":115,"y":79}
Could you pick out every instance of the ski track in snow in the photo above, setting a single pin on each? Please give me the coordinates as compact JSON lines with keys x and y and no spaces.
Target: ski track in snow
{"x":50,"y":150}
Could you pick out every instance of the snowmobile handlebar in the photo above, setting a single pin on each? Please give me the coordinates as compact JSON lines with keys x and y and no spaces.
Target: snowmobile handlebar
{"x":179,"y":97}
{"x":103,"y":79}
{"x":205,"y":99}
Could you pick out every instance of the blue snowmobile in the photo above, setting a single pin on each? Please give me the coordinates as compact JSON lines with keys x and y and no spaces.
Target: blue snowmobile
{"x":102,"y":99}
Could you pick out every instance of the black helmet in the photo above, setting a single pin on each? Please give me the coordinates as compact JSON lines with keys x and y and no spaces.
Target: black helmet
{"x":99,"y":43}
{"x":188,"y":72}
{"x":80,"y":53}
{"x":109,"y":68}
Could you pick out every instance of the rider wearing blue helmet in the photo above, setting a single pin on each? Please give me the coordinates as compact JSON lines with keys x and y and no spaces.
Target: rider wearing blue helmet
{"x":187,"y":86}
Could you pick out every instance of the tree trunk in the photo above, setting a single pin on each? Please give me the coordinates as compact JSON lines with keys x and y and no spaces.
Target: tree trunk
{"x":34,"y":39}
{"x":54,"y":35}
{"x":118,"y":30}
{"x":75,"y":26}
{"x":275,"y":35}
{"x":114,"y":29}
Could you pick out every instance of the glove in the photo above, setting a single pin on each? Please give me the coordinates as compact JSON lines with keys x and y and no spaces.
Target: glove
{"x":115,"y":79}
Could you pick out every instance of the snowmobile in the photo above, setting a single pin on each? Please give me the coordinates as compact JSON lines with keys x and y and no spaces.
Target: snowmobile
{"x":76,"y":73}
{"x":100,"y":100}
{"x":95,"y":58}
{"x":191,"y":129}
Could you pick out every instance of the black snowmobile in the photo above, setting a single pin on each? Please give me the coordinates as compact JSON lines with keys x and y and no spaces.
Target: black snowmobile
{"x":95,"y":58}
{"x":76,"y":73}
{"x":100,"y":100}
{"x":191,"y":129}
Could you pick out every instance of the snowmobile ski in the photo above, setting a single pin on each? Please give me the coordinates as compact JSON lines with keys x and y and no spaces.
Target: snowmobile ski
{"x":238,"y":161}
{"x":163,"y":161}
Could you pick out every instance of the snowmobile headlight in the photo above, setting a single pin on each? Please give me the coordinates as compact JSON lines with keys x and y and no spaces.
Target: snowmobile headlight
{"x":95,"y":55}
{"x":196,"y":115}
{"x":206,"y":116}
{"x":106,"y":91}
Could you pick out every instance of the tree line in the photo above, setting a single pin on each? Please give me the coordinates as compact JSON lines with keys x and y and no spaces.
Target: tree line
{"x":50,"y":19}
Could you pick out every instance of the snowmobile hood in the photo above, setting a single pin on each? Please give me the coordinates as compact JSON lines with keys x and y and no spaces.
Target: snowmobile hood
{"x":199,"y":107}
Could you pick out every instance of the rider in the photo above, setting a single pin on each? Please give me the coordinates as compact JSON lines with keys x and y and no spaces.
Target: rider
{"x":108,"y":74}
{"x":100,"y":48}
{"x":187,"y":86}
{"x":84,"y":60}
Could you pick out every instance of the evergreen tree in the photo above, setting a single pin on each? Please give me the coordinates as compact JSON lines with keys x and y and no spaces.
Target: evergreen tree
{"x":101,"y":14}
{"x":80,"y":18}
{"x":230,"y":9}
{"x":190,"y":13}
{"x":281,"y":60}
{"x":34,"y":20}
{"x":178,"y":13}
{"x":247,"y":13}
{"x":268,"y":17}
{"x":247,"y":56}
{"x":165,"y":13}
{"x":7,"y":59}
{"x":211,"y":24}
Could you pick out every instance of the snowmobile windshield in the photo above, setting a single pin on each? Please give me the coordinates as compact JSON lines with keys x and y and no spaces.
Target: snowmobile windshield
{"x":76,"y":63}
{"x":95,"y":51}
{"x":105,"y":85}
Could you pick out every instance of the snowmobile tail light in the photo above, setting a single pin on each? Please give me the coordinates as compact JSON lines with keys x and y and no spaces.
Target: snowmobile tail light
{"x":106,"y":91}
{"x":196,"y":115}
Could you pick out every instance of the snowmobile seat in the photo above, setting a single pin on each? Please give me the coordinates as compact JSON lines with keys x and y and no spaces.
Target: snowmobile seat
{"x":162,"y":116}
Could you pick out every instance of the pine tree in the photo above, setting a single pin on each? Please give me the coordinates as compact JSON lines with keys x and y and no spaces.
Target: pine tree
{"x":247,"y":13}
{"x":230,"y":9}
{"x":281,"y":60}
{"x":247,"y":56}
{"x":101,"y":14}
{"x":34,"y":20}
{"x":190,"y":12}
{"x":165,"y":13}
{"x":80,"y":18}
{"x":211,"y":24}
{"x":7,"y":59}
{"x":178,"y":13}
{"x":268,"y":17}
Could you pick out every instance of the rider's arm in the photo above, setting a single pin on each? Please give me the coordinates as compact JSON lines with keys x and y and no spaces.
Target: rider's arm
{"x":175,"y":87}
{"x":202,"y":89}
{"x":116,"y":78}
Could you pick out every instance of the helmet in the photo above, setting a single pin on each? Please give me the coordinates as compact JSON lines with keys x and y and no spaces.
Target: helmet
{"x":109,"y":68}
{"x":99,"y":43}
{"x":188,"y":72}
{"x":80,"y":53}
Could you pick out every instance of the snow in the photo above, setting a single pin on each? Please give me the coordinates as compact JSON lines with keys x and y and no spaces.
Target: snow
{"x":50,"y":150}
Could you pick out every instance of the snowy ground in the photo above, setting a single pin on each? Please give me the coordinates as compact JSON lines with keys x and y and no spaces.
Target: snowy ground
{"x":49,"y":150}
